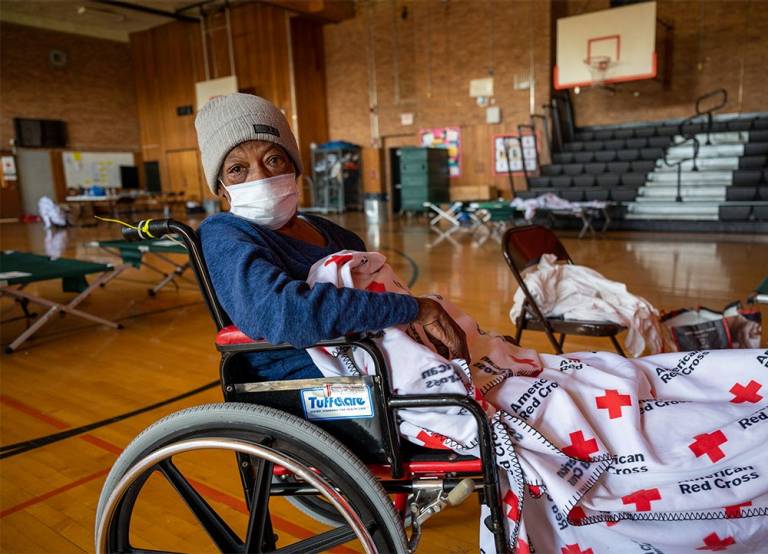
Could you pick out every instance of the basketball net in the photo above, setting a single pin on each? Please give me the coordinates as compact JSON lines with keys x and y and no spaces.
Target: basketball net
{"x":598,"y":67}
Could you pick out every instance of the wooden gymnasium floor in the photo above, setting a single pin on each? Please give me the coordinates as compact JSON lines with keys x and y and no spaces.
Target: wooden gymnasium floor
{"x":74,"y":373}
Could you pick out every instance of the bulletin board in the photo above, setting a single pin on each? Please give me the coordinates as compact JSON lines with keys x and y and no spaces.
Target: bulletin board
{"x":514,"y":154}
{"x":87,"y":169}
{"x":445,"y":137}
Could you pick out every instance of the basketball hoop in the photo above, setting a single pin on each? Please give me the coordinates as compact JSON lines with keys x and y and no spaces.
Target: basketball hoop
{"x":598,"y":67}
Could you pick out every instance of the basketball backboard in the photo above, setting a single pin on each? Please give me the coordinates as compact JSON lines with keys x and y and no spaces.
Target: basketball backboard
{"x":608,"y":46}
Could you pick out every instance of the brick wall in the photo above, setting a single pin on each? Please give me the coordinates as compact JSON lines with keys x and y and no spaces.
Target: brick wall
{"x":422,"y":55}
{"x":93,"y":93}
{"x":716,"y":43}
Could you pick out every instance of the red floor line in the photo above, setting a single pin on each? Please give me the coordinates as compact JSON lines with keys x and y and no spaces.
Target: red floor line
{"x":29,"y":410}
{"x":45,"y":496}
{"x":220,"y":496}
{"x":50,"y":420}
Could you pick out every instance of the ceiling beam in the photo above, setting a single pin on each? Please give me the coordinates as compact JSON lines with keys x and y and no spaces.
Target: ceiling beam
{"x":147,"y":9}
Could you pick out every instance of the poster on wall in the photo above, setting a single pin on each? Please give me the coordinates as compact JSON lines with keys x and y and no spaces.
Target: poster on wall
{"x":445,"y":137}
{"x":506,"y":150}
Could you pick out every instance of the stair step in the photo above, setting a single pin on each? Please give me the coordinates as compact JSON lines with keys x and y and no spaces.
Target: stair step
{"x":704,"y":164}
{"x":667,"y":217}
{"x":726,"y":137}
{"x":664,"y":209}
{"x":692,"y":177}
{"x":712,"y":151}
{"x":713,"y":193}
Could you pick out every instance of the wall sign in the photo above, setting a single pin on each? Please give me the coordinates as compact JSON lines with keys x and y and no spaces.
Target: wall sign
{"x":9,"y":168}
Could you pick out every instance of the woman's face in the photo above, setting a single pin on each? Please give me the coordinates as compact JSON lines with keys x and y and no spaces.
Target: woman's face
{"x":253,"y":160}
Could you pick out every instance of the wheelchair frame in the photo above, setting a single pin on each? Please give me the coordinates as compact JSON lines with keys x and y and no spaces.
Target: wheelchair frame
{"x":398,"y":472}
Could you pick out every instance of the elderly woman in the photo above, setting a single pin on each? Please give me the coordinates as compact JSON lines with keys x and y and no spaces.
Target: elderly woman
{"x":260,"y":252}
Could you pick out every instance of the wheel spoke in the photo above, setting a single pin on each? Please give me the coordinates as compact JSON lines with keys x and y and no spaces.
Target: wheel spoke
{"x":225,"y":539}
{"x":321,"y":542}
{"x":257,"y":519}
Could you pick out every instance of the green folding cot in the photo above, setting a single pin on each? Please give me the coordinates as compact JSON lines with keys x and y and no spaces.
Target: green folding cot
{"x":134,"y":253}
{"x":19,"y":269}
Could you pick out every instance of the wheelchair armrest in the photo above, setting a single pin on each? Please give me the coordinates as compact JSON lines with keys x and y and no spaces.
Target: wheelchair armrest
{"x":232,"y":339}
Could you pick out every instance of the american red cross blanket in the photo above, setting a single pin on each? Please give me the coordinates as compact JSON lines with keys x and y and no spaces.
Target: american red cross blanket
{"x":597,"y":453}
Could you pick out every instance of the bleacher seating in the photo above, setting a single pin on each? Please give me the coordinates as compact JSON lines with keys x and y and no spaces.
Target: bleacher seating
{"x":625,"y":164}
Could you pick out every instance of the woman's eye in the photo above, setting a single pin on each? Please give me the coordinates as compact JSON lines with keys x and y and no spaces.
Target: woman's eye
{"x":275,"y":160}
{"x":235,"y":169}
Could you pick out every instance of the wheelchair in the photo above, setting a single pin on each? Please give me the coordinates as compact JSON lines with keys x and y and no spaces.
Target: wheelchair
{"x":353,"y":474}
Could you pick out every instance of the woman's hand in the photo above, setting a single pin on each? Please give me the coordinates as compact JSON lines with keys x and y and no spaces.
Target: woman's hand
{"x":442,"y":330}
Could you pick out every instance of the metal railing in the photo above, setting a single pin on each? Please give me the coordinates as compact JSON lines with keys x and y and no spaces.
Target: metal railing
{"x":679,"y":163}
{"x":708,"y":113}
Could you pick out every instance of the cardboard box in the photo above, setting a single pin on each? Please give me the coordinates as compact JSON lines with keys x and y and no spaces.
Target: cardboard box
{"x":480,"y":192}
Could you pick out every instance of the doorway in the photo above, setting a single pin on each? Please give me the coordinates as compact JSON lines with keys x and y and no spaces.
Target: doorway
{"x":37,"y":175}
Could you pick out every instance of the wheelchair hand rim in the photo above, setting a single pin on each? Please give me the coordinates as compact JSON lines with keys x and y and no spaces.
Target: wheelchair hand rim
{"x":242,"y":447}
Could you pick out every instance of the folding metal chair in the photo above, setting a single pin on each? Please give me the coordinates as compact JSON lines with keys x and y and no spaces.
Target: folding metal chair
{"x":524,"y":247}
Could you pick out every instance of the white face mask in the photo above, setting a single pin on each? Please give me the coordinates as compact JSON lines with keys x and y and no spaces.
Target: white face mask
{"x":270,"y":202}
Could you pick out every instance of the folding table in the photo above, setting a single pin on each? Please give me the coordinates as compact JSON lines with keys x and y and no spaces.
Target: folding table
{"x":133,"y":253}
{"x":19,"y":269}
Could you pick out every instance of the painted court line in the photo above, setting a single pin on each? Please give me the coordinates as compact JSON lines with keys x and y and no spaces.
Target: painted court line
{"x":55,"y":492}
{"x":222,"y":497}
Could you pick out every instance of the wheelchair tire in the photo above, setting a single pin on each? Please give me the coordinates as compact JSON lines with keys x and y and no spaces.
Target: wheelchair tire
{"x":291,"y":437}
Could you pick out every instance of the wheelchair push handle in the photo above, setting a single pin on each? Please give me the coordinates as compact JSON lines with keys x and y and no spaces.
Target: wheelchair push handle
{"x":147,"y":229}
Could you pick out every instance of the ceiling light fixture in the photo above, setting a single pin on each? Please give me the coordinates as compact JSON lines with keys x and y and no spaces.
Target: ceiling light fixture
{"x":114,"y":17}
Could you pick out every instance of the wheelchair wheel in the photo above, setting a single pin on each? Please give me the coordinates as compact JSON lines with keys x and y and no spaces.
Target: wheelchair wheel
{"x":262,"y":438}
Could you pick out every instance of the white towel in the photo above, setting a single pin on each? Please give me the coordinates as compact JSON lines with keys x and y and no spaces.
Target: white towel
{"x":576,"y":292}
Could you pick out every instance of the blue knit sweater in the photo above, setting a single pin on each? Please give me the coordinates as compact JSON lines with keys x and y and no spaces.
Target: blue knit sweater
{"x":260,"y":280}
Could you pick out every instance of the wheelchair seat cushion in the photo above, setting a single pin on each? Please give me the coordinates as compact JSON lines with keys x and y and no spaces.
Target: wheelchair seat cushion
{"x":232,"y":335}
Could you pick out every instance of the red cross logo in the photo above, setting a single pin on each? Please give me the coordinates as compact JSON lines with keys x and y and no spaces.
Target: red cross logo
{"x":522,"y":547}
{"x":339,"y":260}
{"x":534,"y":490}
{"x":743,"y":394}
{"x":376,"y":287}
{"x":576,"y":514}
{"x":514,"y":509}
{"x":735,"y":510}
{"x":432,"y":440}
{"x":642,"y":499}
{"x":480,"y":399}
{"x":709,"y":444}
{"x":580,"y":447}
{"x":613,"y":402}
{"x":715,"y":543}
{"x":574,"y":549}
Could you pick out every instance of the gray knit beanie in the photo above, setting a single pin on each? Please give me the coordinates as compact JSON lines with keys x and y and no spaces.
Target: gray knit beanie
{"x":226,"y":121}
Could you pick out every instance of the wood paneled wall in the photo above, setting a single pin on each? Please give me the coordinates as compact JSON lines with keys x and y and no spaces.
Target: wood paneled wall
{"x":168,"y":60}
{"x":309,"y":85}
